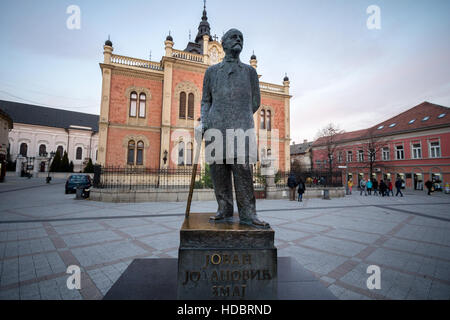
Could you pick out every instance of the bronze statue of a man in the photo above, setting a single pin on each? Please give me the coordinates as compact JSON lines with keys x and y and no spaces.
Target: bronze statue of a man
{"x":230,"y":98}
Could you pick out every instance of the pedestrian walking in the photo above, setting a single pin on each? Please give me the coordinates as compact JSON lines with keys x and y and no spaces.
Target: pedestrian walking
{"x":383,"y":188}
{"x":301,"y":190}
{"x":369,"y":187}
{"x":363,"y":187}
{"x":398,"y":186}
{"x":390,"y":188}
{"x":429,"y":185}
{"x":292,"y":184}
{"x":350,"y":186}
{"x":375,"y":187}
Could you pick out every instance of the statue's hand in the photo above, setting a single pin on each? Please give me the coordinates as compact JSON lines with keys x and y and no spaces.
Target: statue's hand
{"x":200,"y":130}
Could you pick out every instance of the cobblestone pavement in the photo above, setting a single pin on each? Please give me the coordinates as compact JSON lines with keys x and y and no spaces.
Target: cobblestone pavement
{"x":43,"y":231}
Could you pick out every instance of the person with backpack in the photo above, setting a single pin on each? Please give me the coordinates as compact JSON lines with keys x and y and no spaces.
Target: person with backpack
{"x":369,"y":187}
{"x":292,"y":184}
{"x":301,"y":190}
{"x":363,"y":186}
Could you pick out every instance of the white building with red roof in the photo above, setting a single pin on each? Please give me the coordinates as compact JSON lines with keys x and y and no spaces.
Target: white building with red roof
{"x":414,"y":145}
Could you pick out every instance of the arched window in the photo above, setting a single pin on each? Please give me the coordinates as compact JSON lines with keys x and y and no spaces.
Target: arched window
{"x":189,"y":160}
{"x":142,"y":99}
{"x":42,"y":150}
{"x":79,"y":153}
{"x":181,"y":153}
{"x":130,"y":156}
{"x":60,"y":149}
{"x":191,"y":106}
{"x":263,"y":119}
{"x":23,"y":149}
{"x":269,"y":121}
{"x":182,"y":110}
{"x":133,"y":104}
{"x":140,"y":153}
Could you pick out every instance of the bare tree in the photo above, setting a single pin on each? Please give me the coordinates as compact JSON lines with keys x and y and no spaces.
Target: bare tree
{"x":329,"y":138}
{"x":372,"y":147}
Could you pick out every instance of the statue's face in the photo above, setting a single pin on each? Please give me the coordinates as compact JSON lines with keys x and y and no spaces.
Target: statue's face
{"x":233,"y":42}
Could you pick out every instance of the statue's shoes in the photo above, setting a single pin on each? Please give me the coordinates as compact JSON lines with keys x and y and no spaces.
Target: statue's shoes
{"x":255,"y":222}
{"x":220,"y":216}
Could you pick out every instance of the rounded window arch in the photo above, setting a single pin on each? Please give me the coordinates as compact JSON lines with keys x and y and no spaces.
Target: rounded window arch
{"x":60,"y":150}
{"x":182,"y":109}
{"x":23,"y":149}
{"x":140,"y":153}
{"x":189,"y":154}
{"x":79,"y":153}
{"x":42,"y":150}
{"x":142,"y":103}
{"x":181,"y":153}
{"x":263,"y":119}
{"x":133,"y":104}
{"x":191,"y":106}
{"x":269,"y":120}
{"x":130,"y":154}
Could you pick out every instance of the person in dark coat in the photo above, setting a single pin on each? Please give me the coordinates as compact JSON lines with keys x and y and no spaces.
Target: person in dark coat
{"x":398,"y":186}
{"x":383,"y":188}
{"x":429,"y":185}
{"x":301,"y":190}
{"x":375,"y":187}
{"x":292,"y":184}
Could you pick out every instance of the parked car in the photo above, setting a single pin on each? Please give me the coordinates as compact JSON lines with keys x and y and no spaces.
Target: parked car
{"x":77,"y":180}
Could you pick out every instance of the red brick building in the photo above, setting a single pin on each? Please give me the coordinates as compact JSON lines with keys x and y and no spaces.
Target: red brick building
{"x":414,"y":145}
{"x":149,"y":109}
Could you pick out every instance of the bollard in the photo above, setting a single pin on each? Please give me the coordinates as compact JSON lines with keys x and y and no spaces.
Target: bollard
{"x":326,"y":194}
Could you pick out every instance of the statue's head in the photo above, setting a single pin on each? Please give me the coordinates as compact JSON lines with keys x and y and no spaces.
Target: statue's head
{"x":233,"y":41}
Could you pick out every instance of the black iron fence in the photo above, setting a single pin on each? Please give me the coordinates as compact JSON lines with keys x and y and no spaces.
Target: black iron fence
{"x":132,"y":178}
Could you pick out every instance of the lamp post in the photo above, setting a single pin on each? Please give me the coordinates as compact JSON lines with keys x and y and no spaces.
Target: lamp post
{"x":52,"y":155}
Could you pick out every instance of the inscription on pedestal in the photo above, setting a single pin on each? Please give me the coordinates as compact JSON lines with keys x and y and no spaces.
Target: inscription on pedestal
{"x":230,"y":271}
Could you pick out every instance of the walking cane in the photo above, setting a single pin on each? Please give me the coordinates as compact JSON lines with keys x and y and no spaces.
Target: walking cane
{"x":194,"y":173}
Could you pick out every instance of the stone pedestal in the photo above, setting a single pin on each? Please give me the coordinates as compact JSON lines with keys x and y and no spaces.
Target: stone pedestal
{"x":225,"y":260}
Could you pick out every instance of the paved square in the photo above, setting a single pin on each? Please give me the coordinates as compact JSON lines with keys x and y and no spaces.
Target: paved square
{"x":43,"y":231}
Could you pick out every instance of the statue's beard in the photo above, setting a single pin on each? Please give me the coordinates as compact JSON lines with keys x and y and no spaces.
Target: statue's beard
{"x":234,"y":51}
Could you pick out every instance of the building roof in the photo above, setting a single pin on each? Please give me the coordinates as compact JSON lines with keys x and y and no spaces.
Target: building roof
{"x":300,"y":147}
{"x":421,"y":117}
{"x":48,"y":117}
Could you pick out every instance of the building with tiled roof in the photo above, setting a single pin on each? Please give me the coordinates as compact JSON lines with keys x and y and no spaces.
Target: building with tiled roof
{"x":38,"y":131}
{"x":301,"y":153}
{"x":413,"y":145}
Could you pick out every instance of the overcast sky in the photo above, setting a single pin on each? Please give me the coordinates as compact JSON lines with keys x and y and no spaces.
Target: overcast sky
{"x":340,"y":71}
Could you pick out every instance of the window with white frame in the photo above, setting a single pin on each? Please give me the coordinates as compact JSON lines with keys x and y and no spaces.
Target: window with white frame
{"x":361,"y":155}
{"x":435,"y":149}
{"x":386,"y":154}
{"x":399,"y":152}
{"x":349,"y":156}
{"x":416,"y":150}
{"x":339,"y":156}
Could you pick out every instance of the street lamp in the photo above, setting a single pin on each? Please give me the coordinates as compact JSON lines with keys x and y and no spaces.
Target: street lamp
{"x":52,"y":155}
